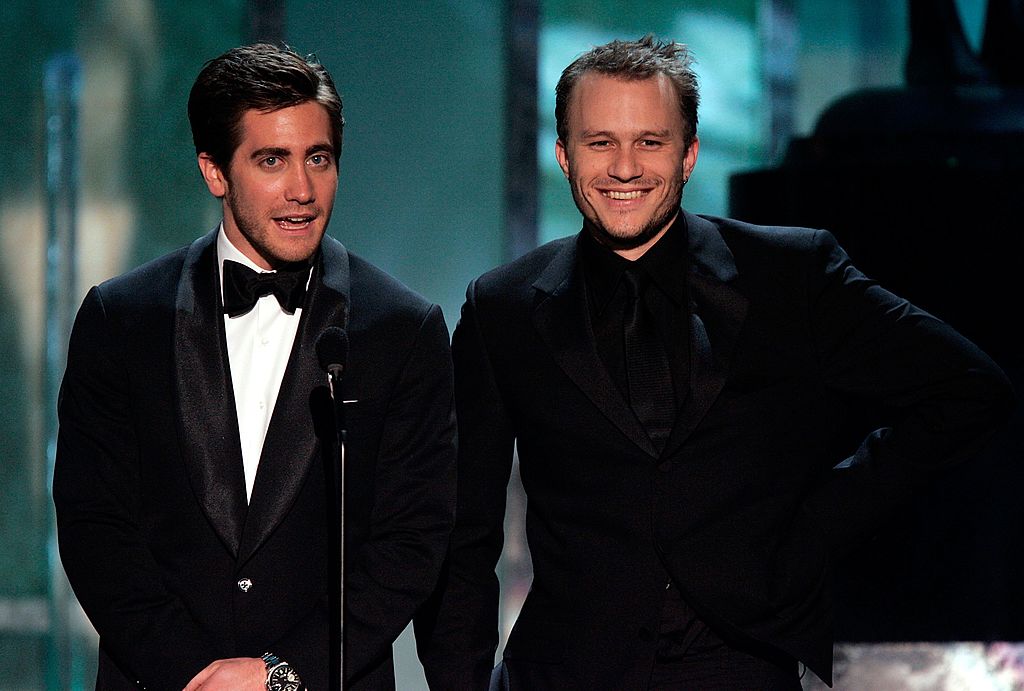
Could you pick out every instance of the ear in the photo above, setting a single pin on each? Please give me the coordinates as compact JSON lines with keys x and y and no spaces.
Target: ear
{"x":690,"y":159}
{"x":214,"y":177}
{"x":563,"y":158}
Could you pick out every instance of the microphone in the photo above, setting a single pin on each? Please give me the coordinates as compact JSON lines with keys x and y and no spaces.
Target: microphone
{"x":332,"y":352}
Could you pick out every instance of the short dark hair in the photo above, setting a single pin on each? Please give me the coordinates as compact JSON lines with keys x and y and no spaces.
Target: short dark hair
{"x":634,"y":60}
{"x":261,"y":77}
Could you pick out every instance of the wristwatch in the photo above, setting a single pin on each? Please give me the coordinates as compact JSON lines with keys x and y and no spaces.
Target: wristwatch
{"x":280,"y":675}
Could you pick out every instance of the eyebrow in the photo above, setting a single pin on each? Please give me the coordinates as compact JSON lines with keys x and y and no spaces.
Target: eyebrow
{"x":282,"y":152}
{"x":587,"y":134}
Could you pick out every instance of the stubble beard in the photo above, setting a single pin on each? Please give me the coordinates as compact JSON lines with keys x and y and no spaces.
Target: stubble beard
{"x":629,"y":237}
{"x":255,"y":232}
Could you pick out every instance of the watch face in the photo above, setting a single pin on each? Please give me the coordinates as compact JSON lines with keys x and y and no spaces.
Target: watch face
{"x":283,"y":678}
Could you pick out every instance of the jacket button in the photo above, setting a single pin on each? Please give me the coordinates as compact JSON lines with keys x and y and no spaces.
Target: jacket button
{"x":244,"y":584}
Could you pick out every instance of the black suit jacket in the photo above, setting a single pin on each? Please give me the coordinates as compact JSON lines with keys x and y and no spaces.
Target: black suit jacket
{"x":155,"y":533}
{"x":756,"y":490}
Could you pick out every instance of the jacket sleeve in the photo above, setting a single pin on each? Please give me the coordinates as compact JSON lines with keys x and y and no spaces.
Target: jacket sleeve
{"x":457,"y":632}
{"x":941,"y":397}
{"x":143,"y":627}
{"x":396,"y":567}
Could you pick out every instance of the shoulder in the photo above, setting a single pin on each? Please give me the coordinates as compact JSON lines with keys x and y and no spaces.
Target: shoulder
{"x":743,"y":235}
{"x":146,"y":286}
{"x":378,"y":296}
{"x":528,"y":267}
{"x":516,"y":278}
{"x":128,"y":313}
{"x":772,"y":250}
{"x":150,"y":291}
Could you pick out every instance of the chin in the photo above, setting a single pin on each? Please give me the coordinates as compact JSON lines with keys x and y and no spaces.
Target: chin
{"x":291,"y":257}
{"x":628,"y":238}
{"x":297,"y":252}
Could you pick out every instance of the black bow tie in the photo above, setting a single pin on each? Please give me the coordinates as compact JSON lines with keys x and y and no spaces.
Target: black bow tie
{"x":243,"y":287}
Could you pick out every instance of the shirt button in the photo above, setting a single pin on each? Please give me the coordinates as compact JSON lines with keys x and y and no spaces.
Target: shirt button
{"x":244,"y":584}
{"x":262,"y":405}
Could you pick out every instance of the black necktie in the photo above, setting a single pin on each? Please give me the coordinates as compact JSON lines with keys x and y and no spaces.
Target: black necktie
{"x":648,"y":376}
{"x":243,"y":287}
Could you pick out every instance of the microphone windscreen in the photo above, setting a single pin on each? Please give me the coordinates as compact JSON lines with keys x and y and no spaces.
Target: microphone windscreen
{"x":332,"y":348}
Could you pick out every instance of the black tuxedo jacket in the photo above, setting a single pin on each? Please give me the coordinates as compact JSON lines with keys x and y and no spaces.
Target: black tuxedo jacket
{"x":755,"y":491}
{"x":155,"y":533}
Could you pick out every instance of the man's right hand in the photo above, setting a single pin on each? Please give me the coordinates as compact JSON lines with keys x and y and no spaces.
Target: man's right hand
{"x":235,"y":674}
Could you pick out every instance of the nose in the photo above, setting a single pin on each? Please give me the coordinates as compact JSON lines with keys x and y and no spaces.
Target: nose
{"x":300,"y":186}
{"x":625,"y":165}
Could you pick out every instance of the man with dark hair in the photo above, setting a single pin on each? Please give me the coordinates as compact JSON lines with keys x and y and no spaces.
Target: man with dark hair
{"x":256,"y":77}
{"x":677,"y":386}
{"x":196,"y":425}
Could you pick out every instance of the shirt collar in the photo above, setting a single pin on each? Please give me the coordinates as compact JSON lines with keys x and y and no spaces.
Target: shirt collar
{"x":227,"y":250}
{"x":664,"y":263}
{"x":602,"y":270}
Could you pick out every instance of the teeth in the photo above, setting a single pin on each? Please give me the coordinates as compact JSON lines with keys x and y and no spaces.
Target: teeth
{"x":635,"y":194}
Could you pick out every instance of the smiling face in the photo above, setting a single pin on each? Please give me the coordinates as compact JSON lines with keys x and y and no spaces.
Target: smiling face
{"x":278,"y":194}
{"x":626,"y":158}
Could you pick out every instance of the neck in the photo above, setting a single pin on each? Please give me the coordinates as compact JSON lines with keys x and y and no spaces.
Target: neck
{"x":634,"y":251}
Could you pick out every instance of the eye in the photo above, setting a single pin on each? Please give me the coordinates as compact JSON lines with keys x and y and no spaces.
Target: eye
{"x":319,"y":160}
{"x":599,"y":144}
{"x":650,"y":143}
{"x":270,"y":162}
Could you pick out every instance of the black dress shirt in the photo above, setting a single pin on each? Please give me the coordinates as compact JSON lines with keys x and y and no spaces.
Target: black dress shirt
{"x":664,"y":264}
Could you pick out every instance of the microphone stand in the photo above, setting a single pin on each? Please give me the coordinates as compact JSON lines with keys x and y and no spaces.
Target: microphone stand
{"x":334,"y":372}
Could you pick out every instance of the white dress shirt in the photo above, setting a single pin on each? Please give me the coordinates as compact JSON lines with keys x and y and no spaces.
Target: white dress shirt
{"x":259,"y":343}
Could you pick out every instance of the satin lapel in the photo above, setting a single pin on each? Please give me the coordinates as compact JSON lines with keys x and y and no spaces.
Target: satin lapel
{"x":207,"y":421}
{"x":563,"y":322}
{"x":717,"y":312}
{"x":291,"y":447}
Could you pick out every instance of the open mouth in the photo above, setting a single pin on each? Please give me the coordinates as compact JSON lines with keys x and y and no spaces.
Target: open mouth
{"x":294,"y":222}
